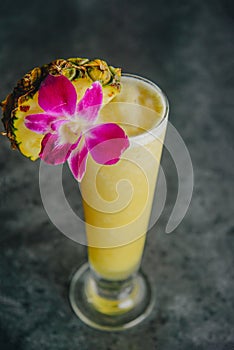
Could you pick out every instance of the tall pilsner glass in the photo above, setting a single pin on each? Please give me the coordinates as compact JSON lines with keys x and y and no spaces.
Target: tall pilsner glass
{"x":110,"y":292}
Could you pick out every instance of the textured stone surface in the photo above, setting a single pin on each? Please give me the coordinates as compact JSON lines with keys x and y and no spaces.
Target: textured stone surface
{"x":187,"y":47}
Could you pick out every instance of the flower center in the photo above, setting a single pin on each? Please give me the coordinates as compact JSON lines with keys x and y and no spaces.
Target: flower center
{"x":70,"y":131}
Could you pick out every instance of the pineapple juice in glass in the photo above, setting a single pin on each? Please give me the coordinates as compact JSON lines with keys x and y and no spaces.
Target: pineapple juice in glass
{"x":54,"y":113}
{"x":109,"y":292}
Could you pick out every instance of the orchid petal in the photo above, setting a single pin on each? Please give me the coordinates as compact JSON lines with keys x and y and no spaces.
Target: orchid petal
{"x":90,"y":104}
{"x":57,"y":95}
{"x":106,"y":143}
{"x":52,"y":152}
{"x":77,"y":162}
{"x":39,"y":123}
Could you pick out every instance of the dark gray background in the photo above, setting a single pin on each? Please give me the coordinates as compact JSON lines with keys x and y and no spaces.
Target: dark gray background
{"x":187,"y":47}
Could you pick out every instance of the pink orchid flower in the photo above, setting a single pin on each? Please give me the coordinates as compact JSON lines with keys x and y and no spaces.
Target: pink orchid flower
{"x":69,"y":128}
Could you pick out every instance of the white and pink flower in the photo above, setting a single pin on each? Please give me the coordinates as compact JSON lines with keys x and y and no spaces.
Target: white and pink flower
{"x":69,"y":127}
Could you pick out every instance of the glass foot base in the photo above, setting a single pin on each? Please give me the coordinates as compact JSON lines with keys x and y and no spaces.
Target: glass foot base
{"x":110,"y":305}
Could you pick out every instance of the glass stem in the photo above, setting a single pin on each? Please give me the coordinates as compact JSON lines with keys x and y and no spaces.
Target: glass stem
{"x":112,"y":296}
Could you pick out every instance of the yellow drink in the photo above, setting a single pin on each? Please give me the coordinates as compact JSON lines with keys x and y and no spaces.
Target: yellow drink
{"x":117,"y":199}
{"x":110,"y":293}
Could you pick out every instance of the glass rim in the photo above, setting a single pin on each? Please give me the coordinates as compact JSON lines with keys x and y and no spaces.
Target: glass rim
{"x":165,"y":101}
